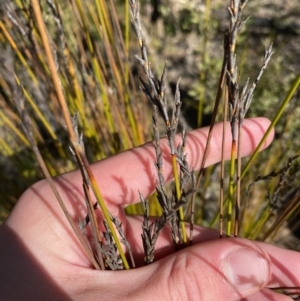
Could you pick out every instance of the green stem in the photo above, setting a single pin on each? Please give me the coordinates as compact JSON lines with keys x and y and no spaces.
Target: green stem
{"x":231,"y":188}
{"x":261,"y":221}
{"x":281,"y":109}
{"x":102,"y":205}
{"x":273,"y":123}
{"x":178,"y":195}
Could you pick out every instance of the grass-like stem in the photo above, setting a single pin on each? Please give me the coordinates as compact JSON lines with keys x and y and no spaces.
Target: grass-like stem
{"x":80,"y":156}
{"x":178,"y":195}
{"x":18,"y":53}
{"x":291,"y":208}
{"x":231,"y":188}
{"x":274,"y":121}
{"x":238,"y":179}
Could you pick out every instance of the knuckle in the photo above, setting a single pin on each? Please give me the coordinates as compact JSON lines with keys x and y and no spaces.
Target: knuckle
{"x":183,"y":281}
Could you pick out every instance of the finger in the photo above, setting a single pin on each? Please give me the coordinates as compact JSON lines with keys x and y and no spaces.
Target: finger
{"x":122,"y":176}
{"x":285,"y":266}
{"x":228,"y":269}
{"x":267,"y":295}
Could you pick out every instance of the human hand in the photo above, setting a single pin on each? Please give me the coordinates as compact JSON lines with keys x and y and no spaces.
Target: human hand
{"x":41,"y":259}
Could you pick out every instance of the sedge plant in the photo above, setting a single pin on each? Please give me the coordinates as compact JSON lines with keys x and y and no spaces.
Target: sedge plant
{"x":56,"y":68}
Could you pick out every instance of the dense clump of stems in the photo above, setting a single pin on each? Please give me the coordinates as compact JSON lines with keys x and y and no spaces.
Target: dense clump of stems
{"x":77,"y":148}
{"x":156,"y":92}
{"x":238,"y":105}
{"x":27,"y":127}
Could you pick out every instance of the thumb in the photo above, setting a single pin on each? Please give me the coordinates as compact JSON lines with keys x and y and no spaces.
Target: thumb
{"x":227,"y":269}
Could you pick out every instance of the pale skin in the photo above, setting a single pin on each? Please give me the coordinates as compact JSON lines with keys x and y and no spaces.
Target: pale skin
{"x":41,"y":259}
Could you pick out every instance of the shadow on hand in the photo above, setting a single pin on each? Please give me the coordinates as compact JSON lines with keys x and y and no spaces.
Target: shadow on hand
{"x":23,"y":278}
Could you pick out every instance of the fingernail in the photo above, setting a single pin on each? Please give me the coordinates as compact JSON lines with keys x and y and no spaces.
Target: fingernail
{"x":246,"y":270}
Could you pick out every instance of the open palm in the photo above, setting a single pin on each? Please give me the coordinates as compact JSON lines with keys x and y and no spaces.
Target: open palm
{"x":41,"y":259}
